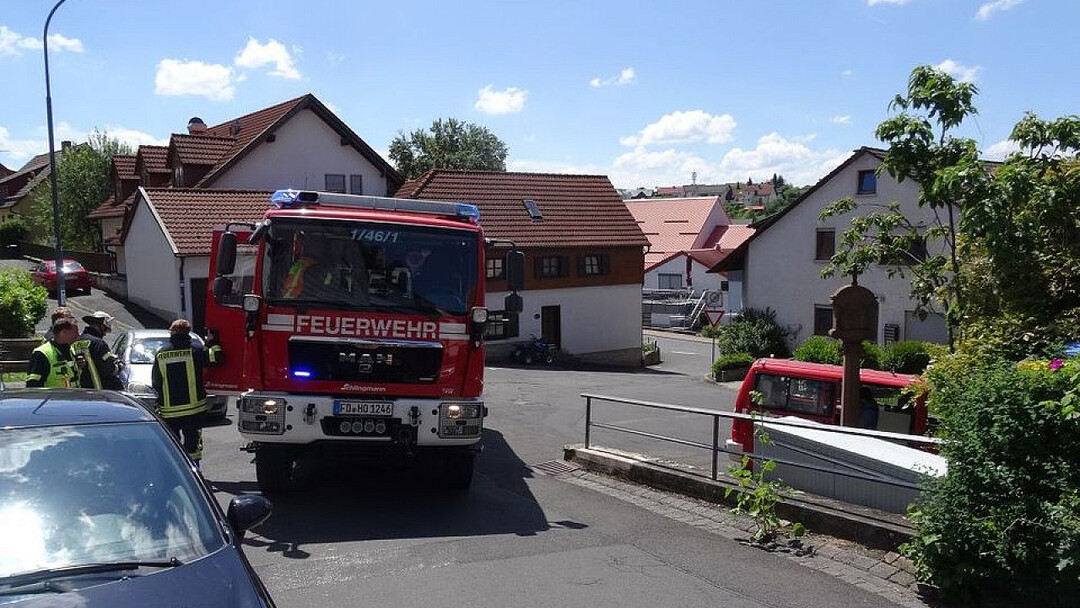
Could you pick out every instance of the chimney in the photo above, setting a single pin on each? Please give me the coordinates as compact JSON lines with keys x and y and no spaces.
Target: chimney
{"x":65,"y":145}
{"x":234,"y":127}
{"x":196,"y":126}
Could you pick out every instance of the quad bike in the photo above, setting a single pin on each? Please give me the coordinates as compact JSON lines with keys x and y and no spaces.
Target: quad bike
{"x":535,"y":350}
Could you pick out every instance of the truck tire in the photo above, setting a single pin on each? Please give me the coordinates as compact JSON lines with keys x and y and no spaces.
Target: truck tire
{"x":457,"y":471}
{"x":273,"y":470}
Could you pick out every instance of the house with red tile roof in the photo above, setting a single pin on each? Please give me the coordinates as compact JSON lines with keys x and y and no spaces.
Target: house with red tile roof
{"x":4,"y":171}
{"x":167,"y":199}
{"x":584,"y":258}
{"x":781,"y":262}
{"x":687,"y":237}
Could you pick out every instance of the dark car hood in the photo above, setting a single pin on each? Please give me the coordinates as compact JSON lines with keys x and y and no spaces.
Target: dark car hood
{"x":220,"y":579}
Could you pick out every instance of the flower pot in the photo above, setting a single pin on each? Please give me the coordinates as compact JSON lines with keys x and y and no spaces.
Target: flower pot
{"x":732,"y":374}
{"x":652,"y":357}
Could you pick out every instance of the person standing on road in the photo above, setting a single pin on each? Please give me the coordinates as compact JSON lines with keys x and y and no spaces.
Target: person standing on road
{"x":177,"y":377}
{"x":868,"y":409}
{"x":51,"y":364}
{"x":97,"y":365}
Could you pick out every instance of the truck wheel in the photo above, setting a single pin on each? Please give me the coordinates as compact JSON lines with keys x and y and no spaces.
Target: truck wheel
{"x":458,"y":471}
{"x":549,"y":357}
{"x":273,"y":470}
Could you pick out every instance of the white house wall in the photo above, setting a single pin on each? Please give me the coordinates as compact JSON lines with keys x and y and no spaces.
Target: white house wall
{"x":593,"y":319}
{"x":153,"y":274}
{"x":783,"y":275}
{"x":304,"y":151}
{"x":717,"y":217}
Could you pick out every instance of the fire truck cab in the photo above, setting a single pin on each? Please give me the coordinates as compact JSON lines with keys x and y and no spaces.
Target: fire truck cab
{"x":354,"y":324}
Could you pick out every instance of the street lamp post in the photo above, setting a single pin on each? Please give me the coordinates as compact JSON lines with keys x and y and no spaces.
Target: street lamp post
{"x":61,"y":291}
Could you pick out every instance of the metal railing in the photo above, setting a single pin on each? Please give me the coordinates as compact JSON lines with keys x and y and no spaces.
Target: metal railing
{"x":718,"y":448}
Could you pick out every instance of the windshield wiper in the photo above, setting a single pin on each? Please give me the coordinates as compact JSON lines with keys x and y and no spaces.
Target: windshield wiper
{"x":51,"y":573}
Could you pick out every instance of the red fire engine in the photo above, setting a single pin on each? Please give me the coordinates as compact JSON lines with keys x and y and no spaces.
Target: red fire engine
{"x":355,"y":324}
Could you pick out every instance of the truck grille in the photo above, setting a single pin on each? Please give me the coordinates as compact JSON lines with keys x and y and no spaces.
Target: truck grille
{"x":384,"y":361}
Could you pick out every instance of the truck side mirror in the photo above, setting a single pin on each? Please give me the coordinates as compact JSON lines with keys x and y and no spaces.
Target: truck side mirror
{"x":226,"y":255}
{"x":223,"y":287}
{"x":515,"y":270}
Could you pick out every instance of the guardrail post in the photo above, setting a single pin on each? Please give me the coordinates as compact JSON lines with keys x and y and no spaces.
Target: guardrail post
{"x":588,"y":419}
{"x":715,"y":445}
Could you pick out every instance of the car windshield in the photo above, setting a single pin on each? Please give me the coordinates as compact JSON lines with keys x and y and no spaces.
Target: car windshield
{"x":144,"y":349}
{"x":72,"y":266}
{"x":368,"y":266}
{"x":72,"y":495}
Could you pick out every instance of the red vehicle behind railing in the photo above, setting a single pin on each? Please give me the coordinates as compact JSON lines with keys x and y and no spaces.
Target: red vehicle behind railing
{"x":812,"y":391}
{"x":76,"y":278}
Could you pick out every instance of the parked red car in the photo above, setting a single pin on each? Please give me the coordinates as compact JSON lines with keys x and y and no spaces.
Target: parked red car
{"x":76,"y":278}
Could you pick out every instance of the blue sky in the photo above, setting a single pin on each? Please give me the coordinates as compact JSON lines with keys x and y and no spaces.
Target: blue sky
{"x":645,"y":92}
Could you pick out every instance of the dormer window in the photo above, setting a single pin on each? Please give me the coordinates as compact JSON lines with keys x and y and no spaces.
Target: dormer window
{"x":178,"y":176}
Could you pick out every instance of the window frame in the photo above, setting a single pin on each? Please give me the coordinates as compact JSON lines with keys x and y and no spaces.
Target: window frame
{"x":494,"y":268}
{"x":818,"y":309}
{"x":819,"y":241}
{"x":661,"y":275}
{"x":859,"y":189}
{"x":353,"y":179}
{"x":326,"y":182}
{"x":594,"y":265}
{"x":550,"y":266}
{"x":501,"y":325}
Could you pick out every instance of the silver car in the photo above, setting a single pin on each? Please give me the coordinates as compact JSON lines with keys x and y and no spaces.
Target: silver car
{"x":136,"y":348}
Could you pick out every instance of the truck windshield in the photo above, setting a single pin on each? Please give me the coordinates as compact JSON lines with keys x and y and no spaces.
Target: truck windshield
{"x":371,"y":266}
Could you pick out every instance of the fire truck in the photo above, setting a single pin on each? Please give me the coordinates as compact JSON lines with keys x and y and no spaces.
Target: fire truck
{"x":354,"y":326}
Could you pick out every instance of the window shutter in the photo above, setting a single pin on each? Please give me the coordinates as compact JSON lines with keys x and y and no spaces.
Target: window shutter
{"x":582,"y":268}
{"x":538,"y":266}
{"x":564,"y":266}
{"x":605,"y":264}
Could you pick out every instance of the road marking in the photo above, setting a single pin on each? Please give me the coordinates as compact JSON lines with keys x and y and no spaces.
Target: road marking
{"x":681,"y":352}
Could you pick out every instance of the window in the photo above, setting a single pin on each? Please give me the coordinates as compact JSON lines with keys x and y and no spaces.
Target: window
{"x":356,"y":184}
{"x":593,"y":265}
{"x":798,"y":395}
{"x":724,"y":285}
{"x":495,"y":269}
{"x":335,"y":182}
{"x":668,"y":281}
{"x":501,"y":325}
{"x":867,"y":182}
{"x":915,"y":253}
{"x":550,"y":266}
{"x":823,"y":320}
{"x":826,"y":244}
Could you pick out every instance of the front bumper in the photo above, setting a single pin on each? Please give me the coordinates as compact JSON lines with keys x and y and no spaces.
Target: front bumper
{"x":216,"y":405}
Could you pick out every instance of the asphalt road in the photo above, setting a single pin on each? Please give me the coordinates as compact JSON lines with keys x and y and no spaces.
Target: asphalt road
{"x":359,"y":535}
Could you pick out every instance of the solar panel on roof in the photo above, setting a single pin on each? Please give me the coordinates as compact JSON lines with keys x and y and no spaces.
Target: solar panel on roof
{"x":533,"y":210}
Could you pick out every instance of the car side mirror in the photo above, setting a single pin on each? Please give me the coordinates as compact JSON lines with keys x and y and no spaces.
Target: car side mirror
{"x":222,"y":287}
{"x":247,"y":511}
{"x":226,"y":254}
{"x":515,"y":270}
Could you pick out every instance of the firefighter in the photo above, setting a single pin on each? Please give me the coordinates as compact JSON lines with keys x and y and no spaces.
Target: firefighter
{"x":58,"y":313}
{"x":98,"y":366}
{"x":177,"y":377}
{"x":309,"y":272}
{"x":51,"y":364}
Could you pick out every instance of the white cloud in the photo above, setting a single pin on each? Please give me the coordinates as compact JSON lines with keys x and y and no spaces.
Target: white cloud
{"x":988,"y":9}
{"x":334,"y":58}
{"x":1000,"y":150}
{"x":846,"y":73}
{"x":873,"y":2}
{"x":134,"y":137}
{"x":17,"y":151}
{"x":177,"y":77}
{"x":958,"y":70}
{"x":685,"y":127}
{"x":841,"y":120}
{"x":508,"y":101}
{"x":256,"y":55}
{"x":552,"y":166}
{"x":626,"y":76}
{"x":13,"y":43}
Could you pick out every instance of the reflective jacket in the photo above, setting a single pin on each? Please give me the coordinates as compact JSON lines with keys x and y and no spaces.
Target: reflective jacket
{"x":96,"y":364}
{"x":177,"y":377}
{"x":50,"y":367}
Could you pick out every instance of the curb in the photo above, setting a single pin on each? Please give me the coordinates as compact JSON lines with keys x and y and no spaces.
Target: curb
{"x":865,"y":526}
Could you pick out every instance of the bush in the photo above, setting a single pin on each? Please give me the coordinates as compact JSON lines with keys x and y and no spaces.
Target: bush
{"x":1006,"y":517}
{"x":12,"y":231}
{"x":820,"y":349}
{"x":753,"y":331}
{"x":22,"y":303}
{"x":907,"y":357}
{"x":732,"y":361}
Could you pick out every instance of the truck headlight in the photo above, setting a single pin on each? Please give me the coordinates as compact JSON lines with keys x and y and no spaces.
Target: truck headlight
{"x":460,"y":419}
{"x":265,"y":415}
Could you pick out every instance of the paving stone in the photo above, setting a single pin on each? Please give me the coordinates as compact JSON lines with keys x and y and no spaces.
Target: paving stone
{"x":905,"y":564}
{"x":903,"y":578}
{"x":826,"y":550}
{"x":883,"y":570}
{"x":891,"y":557}
{"x":864,"y":562}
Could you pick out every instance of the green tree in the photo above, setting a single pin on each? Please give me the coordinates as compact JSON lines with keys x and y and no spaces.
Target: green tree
{"x":450,"y":144}
{"x":83,"y":183}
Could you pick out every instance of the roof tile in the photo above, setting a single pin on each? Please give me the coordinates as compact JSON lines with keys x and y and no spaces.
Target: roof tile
{"x":672,"y":223}
{"x":190,"y":215}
